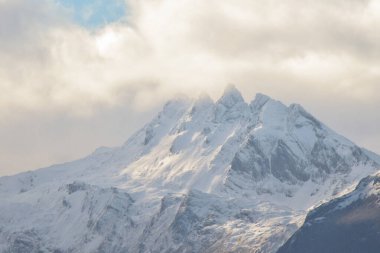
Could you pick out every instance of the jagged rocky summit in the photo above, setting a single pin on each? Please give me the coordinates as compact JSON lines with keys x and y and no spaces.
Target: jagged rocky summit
{"x":202,"y":176}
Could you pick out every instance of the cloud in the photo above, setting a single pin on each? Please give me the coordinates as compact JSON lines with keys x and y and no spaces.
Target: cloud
{"x":176,"y":46}
{"x":323,"y":54}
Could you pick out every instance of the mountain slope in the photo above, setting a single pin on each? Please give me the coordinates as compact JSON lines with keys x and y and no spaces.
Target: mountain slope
{"x":78,"y":217}
{"x":202,"y":176}
{"x":348,"y":224}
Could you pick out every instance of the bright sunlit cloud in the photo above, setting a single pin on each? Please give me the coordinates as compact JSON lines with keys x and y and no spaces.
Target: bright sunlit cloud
{"x":323,"y":54}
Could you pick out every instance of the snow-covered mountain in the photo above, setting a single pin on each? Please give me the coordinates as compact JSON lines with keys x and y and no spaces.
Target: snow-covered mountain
{"x":203,"y":176}
{"x":349,"y":224}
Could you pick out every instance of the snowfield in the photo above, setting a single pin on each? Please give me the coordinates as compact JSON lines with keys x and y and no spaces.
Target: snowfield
{"x":203,"y":176}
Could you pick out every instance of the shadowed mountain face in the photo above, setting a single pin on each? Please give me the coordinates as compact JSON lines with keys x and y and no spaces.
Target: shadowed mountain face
{"x":349,"y":224}
{"x":203,"y":176}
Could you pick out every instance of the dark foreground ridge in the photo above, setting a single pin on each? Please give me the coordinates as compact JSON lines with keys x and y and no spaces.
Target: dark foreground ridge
{"x":350,"y":224}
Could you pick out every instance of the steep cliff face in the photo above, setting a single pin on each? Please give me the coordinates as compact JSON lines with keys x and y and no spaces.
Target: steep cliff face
{"x":347,"y":224}
{"x":202,"y":176}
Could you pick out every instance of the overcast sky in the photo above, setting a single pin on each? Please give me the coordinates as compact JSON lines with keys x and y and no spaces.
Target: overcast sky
{"x":75,"y":75}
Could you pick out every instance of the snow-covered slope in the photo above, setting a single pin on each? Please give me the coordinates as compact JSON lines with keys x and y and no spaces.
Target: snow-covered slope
{"x":349,"y":224}
{"x":202,"y":176}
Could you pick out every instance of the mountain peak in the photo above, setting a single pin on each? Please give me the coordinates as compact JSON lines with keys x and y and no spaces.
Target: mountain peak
{"x":260,"y":100}
{"x":204,"y":98}
{"x":231,"y":96}
{"x":261,"y":165}
{"x":175,"y":103}
{"x":297,"y":107}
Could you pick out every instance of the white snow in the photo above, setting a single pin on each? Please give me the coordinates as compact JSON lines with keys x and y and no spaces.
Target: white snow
{"x":188,"y":147}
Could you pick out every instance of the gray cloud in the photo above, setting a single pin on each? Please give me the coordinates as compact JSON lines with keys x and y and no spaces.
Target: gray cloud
{"x":37,"y":139}
{"x":56,"y":75}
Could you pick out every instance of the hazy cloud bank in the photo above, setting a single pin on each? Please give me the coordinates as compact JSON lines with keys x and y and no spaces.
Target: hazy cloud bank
{"x":323,"y":54}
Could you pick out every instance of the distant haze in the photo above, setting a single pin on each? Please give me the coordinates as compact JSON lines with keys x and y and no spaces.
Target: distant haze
{"x":68,"y":86}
